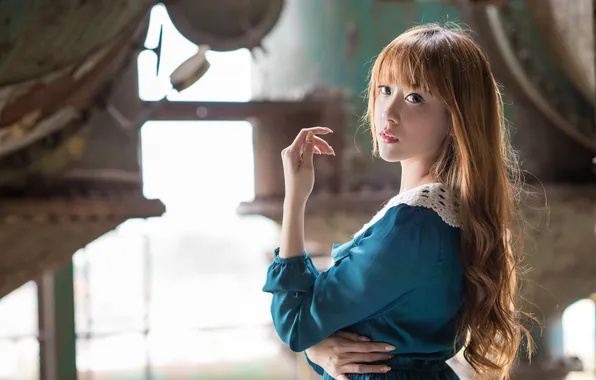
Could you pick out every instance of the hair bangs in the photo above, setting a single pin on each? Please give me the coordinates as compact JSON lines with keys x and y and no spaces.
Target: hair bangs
{"x":405,"y":63}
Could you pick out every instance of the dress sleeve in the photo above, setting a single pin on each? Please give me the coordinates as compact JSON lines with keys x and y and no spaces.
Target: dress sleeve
{"x":390,"y":258}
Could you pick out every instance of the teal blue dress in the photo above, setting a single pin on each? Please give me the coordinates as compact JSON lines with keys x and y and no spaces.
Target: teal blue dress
{"x":399,"y":281}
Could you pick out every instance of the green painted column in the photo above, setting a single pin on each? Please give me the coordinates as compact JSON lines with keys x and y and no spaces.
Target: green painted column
{"x":554,"y":337}
{"x":331,"y":43}
{"x":57,"y":325}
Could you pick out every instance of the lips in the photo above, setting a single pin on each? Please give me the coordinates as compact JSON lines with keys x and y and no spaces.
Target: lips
{"x":388,"y":138}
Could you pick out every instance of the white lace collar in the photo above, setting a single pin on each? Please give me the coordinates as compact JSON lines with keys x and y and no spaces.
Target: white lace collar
{"x":435,"y":196}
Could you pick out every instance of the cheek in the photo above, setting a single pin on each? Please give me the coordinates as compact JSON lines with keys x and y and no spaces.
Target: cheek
{"x":432,"y":124}
{"x":378,"y":117}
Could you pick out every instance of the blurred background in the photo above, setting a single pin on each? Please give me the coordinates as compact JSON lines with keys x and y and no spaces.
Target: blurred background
{"x":101,"y":133}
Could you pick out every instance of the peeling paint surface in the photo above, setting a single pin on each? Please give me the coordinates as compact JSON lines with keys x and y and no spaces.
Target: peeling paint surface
{"x":39,"y":36}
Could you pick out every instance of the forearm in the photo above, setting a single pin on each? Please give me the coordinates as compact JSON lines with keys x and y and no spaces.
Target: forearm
{"x":317,"y":368}
{"x":292,"y":230}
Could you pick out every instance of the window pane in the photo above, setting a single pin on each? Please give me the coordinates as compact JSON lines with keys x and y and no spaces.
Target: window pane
{"x":112,"y":357}
{"x":212,"y":277}
{"x":19,"y":359}
{"x":243,"y":353}
{"x":19,"y":347}
{"x":109,"y":284}
{"x":18,"y":312}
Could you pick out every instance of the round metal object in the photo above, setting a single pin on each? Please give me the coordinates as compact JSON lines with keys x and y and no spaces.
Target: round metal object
{"x":225,"y":25}
{"x":539,"y":75}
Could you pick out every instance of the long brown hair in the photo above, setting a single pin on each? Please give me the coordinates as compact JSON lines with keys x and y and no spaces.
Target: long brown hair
{"x":479,"y":165}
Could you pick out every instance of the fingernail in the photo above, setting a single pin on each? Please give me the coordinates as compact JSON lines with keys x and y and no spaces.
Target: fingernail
{"x":365,"y":339}
{"x":386,"y":369}
{"x":309,"y":137}
{"x":389,"y":348}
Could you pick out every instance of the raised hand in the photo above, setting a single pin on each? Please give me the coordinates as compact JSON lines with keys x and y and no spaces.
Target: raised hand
{"x":297,"y":161}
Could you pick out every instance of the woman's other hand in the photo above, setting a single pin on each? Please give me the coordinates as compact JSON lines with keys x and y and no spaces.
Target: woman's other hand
{"x":344,"y":353}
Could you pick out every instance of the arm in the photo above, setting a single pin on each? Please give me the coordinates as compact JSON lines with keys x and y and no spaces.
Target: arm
{"x":292,"y":229}
{"x":390,"y":259}
{"x":299,"y":177}
{"x":312,"y":365}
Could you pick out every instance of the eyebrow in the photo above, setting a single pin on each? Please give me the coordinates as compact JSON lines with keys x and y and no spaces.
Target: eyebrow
{"x":414,"y":87}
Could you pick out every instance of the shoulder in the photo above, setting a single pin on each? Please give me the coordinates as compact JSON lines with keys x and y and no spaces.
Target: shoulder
{"x":433,"y":200}
{"x":422,"y":207}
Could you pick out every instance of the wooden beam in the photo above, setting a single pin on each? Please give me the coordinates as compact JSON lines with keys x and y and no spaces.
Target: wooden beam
{"x":77,"y":209}
{"x":233,"y":110}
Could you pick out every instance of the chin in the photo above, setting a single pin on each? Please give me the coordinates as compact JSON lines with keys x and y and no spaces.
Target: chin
{"x":391,"y":155}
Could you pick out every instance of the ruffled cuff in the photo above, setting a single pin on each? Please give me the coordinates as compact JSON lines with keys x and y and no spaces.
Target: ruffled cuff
{"x":294,"y":274}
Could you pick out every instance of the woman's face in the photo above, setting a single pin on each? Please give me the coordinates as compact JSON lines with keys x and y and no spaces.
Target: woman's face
{"x":409,"y":124}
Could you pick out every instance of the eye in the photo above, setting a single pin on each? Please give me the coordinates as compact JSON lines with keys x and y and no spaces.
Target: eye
{"x":385,"y":90}
{"x":415,"y":98}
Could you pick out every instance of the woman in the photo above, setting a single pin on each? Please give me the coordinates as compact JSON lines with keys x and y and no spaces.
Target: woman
{"x":435,"y":270}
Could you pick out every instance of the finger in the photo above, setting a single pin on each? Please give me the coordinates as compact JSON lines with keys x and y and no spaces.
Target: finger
{"x":319,"y":148}
{"x":364,"y":357}
{"x":301,"y":137}
{"x":367,"y":347}
{"x":352,"y":337}
{"x":307,"y":156}
{"x":323,"y":145}
{"x":363,"y":368}
{"x":296,"y":150}
{"x":342,"y":377}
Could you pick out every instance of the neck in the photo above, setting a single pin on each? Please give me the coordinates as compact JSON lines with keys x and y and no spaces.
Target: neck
{"x":415,"y":173}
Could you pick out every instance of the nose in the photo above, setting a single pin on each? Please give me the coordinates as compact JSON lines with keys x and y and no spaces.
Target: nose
{"x":391,"y":112}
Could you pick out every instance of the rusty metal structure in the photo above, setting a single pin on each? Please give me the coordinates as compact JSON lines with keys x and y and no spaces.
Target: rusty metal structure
{"x":70,"y":166}
{"x":70,"y":116}
{"x":69,"y":174}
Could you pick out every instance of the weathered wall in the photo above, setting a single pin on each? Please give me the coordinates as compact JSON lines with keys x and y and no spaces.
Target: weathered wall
{"x":332,"y":43}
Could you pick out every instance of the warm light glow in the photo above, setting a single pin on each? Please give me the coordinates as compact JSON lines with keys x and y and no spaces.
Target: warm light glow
{"x":579,"y":339}
{"x":228,"y":78}
{"x":206,"y":305}
{"x":202,"y":288}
